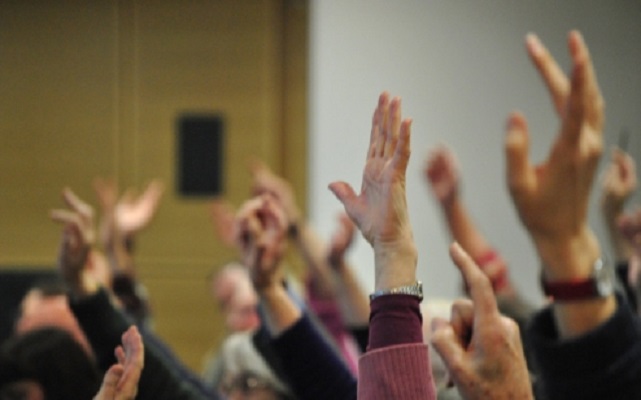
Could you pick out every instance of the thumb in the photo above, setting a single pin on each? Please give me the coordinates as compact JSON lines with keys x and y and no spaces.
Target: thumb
{"x":346,"y":195}
{"x":516,"y":150}
{"x":110,"y":382}
{"x":448,"y":346}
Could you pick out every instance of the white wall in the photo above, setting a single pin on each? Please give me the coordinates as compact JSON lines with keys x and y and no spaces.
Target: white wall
{"x":460,"y":67}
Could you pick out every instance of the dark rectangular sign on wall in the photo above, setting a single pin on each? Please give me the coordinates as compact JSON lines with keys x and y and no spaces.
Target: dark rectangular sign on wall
{"x":200,"y":155}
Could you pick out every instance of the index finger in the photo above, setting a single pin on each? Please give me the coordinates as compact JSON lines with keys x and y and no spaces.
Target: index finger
{"x":479,"y":285}
{"x":76,"y":204}
{"x":555,"y":79}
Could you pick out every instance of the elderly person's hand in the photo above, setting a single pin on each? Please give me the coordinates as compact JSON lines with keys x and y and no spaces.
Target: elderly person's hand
{"x":380,"y":210}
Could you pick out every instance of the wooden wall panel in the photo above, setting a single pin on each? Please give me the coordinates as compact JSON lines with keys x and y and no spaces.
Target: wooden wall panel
{"x":57,"y":102}
{"x":96,"y":90}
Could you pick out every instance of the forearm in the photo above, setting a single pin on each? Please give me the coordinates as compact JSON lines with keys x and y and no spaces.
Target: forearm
{"x":463,"y":230}
{"x":280,"y":310}
{"x":313,"y":251}
{"x":352,"y":300}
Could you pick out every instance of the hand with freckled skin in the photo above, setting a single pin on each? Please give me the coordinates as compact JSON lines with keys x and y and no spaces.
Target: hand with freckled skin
{"x":380,"y":209}
{"x":481,"y":348}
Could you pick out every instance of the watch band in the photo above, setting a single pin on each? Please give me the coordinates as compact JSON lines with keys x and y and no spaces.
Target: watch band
{"x":599,"y":284}
{"x":411,"y":290}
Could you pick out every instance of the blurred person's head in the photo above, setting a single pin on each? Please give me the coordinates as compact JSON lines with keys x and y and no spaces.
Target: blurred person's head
{"x":246,"y":375}
{"x":47,"y":364}
{"x":46,"y":305}
{"x":233,"y":291}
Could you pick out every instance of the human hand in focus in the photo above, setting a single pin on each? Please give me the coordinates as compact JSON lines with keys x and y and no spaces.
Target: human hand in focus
{"x":619,"y":182}
{"x":121,"y":380}
{"x":260,"y":231}
{"x":380,"y":210}
{"x":265,"y":181}
{"x":442,"y":173}
{"x":481,"y":349}
{"x":78,"y":237}
{"x":552,"y":197}
{"x":341,"y":241}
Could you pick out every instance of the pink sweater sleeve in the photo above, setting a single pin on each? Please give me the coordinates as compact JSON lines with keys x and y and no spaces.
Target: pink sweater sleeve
{"x":400,"y":372}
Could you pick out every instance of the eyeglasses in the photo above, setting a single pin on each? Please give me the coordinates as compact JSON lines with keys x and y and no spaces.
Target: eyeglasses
{"x":245,"y":381}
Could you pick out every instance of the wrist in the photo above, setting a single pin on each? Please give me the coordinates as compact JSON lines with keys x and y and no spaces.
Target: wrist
{"x":395,"y":264}
{"x":569,"y":257}
{"x":451,"y":203}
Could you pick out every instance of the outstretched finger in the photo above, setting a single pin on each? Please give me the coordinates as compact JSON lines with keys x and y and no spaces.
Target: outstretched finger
{"x":585,"y":103}
{"x":591,"y":93}
{"x":402,"y":152}
{"x":479,"y":286}
{"x":76,"y":204}
{"x":520,"y":174}
{"x":553,"y":76}
{"x":393,"y":127}
{"x":65,"y":217}
{"x":383,"y":114}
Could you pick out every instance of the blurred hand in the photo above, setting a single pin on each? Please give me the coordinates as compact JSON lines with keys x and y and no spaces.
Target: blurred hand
{"x":266,"y":182}
{"x":77,"y":237}
{"x":121,"y":380}
{"x":442,"y":173}
{"x":341,"y":241}
{"x":619,"y":181}
{"x":261,"y":229}
{"x":134,"y":213}
{"x":481,"y":349}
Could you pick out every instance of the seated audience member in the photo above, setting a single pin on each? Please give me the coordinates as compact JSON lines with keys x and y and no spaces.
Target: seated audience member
{"x":236,"y":298}
{"x":312,"y":368}
{"x":332,"y":290}
{"x":48,"y":363}
{"x":164,"y":376}
{"x":246,"y":374}
{"x":587,"y":343}
{"x":618,"y":184}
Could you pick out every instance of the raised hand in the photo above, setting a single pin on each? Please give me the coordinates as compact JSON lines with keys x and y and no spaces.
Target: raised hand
{"x":261,"y":228}
{"x":442,"y":173}
{"x":619,"y":181}
{"x":481,"y":349}
{"x":121,"y":380}
{"x":77,"y":237}
{"x":134,"y":213}
{"x":341,"y":241}
{"x":552,"y":197}
{"x":380,"y":210}
{"x":266,"y":182}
